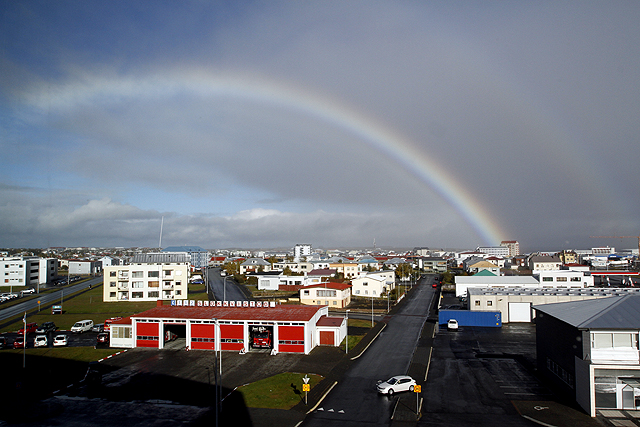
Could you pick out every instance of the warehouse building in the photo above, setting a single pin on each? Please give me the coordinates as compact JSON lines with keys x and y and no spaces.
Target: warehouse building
{"x":515,"y":304}
{"x":241,"y":326}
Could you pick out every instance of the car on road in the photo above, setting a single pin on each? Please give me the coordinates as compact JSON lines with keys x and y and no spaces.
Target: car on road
{"x":31,"y":327}
{"x":395,"y":385}
{"x":98,"y":327}
{"x":40,"y":341}
{"x":82,"y":326}
{"x":452,"y":325}
{"x":60,"y":340}
{"x":28,"y":291}
{"x":46,"y":327}
{"x":18,"y":342}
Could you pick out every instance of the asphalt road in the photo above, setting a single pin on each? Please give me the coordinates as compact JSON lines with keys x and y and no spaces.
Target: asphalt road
{"x":223,"y":288}
{"x":47,"y":298}
{"x":354,"y":401}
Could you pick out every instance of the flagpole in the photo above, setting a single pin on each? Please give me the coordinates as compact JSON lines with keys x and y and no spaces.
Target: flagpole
{"x":24,"y":347}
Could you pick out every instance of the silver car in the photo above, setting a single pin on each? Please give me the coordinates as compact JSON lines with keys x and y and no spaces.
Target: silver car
{"x":396,"y":384}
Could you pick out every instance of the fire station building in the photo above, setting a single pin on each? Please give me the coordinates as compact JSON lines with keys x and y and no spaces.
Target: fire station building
{"x":247,"y":326}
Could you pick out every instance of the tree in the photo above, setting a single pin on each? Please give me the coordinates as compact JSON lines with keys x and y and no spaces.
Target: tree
{"x":403,"y":270}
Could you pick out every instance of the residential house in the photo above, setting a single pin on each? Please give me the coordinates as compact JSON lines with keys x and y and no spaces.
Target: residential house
{"x":255,"y":265}
{"x":334,"y":295}
{"x":544,"y":263}
{"x":374,"y":285}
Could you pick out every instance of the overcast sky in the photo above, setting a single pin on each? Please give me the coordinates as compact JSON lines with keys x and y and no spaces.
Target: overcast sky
{"x":334,"y":123}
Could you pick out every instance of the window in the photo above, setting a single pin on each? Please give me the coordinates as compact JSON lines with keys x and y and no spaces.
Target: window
{"x":112,"y":274}
{"x":614,"y":340}
{"x":477,"y":303}
{"x":137,"y":285}
{"x":335,"y":302}
{"x":153,"y":274}
{"x":575,"y":279}
{"x":137,"y":274}
{"x":547,"y":279}
{"x":489,"y":303}
{"x":178,"y":292}
{"x":121,"y":332}
{"x":357,"y":291}
{"x":167,"y":273}
{"x":561,"y":279}
{"x":112,"y":284}
{"x":305,"y":292}
{"x":326,"y":293}
{"x":112,"y":294}
{"x":153,"y":284}
{"x":137,"y":295}
{"x":154,"y":294}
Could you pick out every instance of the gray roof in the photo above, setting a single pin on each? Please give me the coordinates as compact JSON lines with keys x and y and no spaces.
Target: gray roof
{"x":184,"y":249}
{"x":619,"y":312}
{"x":159,"y":258}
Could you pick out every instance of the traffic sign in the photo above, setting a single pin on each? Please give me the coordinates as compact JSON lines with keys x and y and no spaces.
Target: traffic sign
{"x":306,"y":379}
{"x":306,"y":387}
{"x":417,"y":389}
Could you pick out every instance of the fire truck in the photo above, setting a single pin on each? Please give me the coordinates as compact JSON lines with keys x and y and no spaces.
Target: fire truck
{"x":261,"y":337}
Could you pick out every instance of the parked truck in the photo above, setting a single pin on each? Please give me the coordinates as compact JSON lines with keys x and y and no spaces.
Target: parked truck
{"x":262,"y":337}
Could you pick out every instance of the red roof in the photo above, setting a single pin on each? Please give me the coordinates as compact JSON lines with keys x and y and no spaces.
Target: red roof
{"x":330,"y":321}
{"x":330,"y":285}
{"x":283,"y":313}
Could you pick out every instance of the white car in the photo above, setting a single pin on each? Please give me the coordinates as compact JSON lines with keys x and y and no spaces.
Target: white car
{"x":60,"y":340}
{"x":452,"y":324}
{"x":395,"y":385}
{"x":82,"y":326}
{"x":40,"y":341}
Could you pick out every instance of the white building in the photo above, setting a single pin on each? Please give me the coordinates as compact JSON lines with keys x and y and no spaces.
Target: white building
{"x":301,"y":251}
{"x":373,"y":284}
{"x":481,"y":281}
{"x":564,"y":278}
{"x":19,"y":271}
{"x":497,"y":251}
{"x":84,"y":267}
{"x":149,"y":277}
{"x":544,"y":263}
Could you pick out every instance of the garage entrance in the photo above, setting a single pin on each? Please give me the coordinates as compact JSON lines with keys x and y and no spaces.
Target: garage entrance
{"x":175,"y":335}
{"x":519,"y":312}
{"x":327,"y":338}
{"x":260,"y":337}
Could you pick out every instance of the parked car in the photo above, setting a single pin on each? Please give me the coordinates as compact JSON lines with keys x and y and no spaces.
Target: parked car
{"x":40,"y":341}
{"x":18,"y":342}
{"x":395,"y":385}
{"x":3,"y":342}
{"x":31,"y":327}
{"x":60,"y":340}
{"x":452,"y":324}
{"x":28,"y":291}
{"x":102,"y":338}
{"x":46,"y":327}
{"x":82,"y":326}
{"x":98,"y":327}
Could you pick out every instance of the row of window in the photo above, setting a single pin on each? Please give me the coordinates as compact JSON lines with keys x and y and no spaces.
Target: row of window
{"x":147,"y":338}
{"x":614,"y":340}
{"x":290,"y":342}
{"x":561,"y":279}
{"x":366,"y":292}
{"x":140,"y":295}
{"x":140,"y":274}
{"x":150,"y":284}
{"x":121,"y":332}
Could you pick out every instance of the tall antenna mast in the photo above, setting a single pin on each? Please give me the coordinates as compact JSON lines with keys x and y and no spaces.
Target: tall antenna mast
{"x":161,"y":225}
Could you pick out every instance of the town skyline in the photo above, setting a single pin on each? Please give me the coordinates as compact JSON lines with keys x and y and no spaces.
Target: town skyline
{"x":258,"y":125}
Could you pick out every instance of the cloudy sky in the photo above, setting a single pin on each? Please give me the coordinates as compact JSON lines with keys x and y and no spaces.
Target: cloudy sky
{"x":266,"y":124}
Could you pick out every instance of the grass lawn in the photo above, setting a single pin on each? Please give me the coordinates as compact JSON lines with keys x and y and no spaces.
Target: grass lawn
{"x":79,"y":354}
{"x":282,"y":391}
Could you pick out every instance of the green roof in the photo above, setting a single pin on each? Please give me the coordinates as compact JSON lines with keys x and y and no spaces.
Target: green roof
{"x":484,"y":273}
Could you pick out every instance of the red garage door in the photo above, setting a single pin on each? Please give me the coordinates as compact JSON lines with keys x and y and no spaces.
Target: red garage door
{"x":232,"y":337}
{"x":147,"y":334}
{"x":327,"y":338}
{"x":291,"y":339}
{"x":203,"y":336}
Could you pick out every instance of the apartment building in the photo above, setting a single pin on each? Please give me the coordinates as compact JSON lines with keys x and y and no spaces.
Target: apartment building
{"x":149,"y":277}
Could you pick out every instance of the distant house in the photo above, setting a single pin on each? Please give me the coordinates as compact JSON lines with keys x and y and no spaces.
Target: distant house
{"x":374,"y":284}
{"x":336,"y":295}
{"x":542,"y":263}
{"x":589,"y":351}
{"x":254,"y":265}
{"x":484,"y":266}
{"x":346,"y":267}
{"x":198,"y":257}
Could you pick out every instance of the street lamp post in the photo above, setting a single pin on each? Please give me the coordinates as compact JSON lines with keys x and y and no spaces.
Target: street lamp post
{"x":372,"y":311}
{"x":346,"y":340}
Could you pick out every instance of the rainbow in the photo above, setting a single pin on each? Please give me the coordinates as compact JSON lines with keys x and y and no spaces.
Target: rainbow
{"x":390,"y":143}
